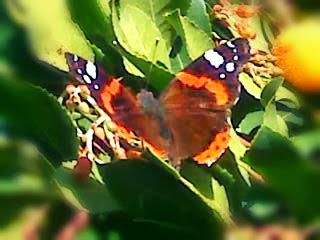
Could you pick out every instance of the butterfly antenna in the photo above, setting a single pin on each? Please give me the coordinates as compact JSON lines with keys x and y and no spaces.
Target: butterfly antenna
{"x":153,"y":60}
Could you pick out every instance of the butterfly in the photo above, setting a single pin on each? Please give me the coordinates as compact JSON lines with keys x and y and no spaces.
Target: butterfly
{"x":190,"y":119}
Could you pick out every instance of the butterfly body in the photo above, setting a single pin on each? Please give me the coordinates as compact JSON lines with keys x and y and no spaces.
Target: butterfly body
{"x":150,"y":105}
{"x":190,"y":118}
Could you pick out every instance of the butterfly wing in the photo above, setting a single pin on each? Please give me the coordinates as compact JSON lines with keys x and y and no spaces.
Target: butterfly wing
{"x":194,"y":120}
{"x":211,"y":81}
{"x":117,"y":101}
{"x":198,"y":133}
{"x":197,"y":101}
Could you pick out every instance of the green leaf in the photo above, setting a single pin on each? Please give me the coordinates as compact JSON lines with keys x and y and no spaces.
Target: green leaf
{"x":213,"y":192}
{"x":23,"y":170}
{"x":191,"y":41}
{"x":50,"y":30}
{"x":227,"y":173}
{"x":285,"y":94}
{"x":198,"y":176}
{"x":95,"y":20}
{"x":33,"y":113}
{"x":90,"y":195}
{"x":269,"y":92}
{"x":17,"y":59}
{"x":285,"y":171}
{"x":25,"y":177}
{"x":179,"y":55}
{"x":290,"y":117}
{"x":259,"y":26}
{"x":251,"y":121}
{"x":308,"y":143}
{"x":198,"y":14}
{"x":220,"y":197}
{"x":17,"y":213}
{"x":274,"y":121}
{"x":156,"y":10}
{"x":249,"y":85}
{"x":57,"y":215}
{"x":262,"y":210}
{"x":271,"y":117}
{"x":196,"y":180}
{"x":132,"y":69}
{"x":236,"y":146}
{"x":157,"y":76}
{"x":142,"y":37}
{"x":256,"y":90}
{"x":88,"y":234}
{"x":197,"y":41}
{"x":152,"y":195}
{"x":254,"y":120}
{"x":238,"y":149}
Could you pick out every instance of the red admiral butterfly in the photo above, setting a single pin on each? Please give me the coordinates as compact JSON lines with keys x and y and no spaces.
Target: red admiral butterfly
{"x":190,"y":118}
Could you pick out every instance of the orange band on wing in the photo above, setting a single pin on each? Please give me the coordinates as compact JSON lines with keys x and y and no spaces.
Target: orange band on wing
{"x":215,"y":149}
{"x":110,"y":90}
{"x":214,"y":86}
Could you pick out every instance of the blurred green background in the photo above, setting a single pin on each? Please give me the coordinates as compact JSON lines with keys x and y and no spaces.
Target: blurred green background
{"x":37,"y":136}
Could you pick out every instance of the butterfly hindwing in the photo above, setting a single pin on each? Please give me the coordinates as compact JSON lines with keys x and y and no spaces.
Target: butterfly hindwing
{"x":193,"y":132}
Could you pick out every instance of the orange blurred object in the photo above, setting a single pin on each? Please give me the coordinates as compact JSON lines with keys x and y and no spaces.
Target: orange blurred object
{"x":297,"y":50}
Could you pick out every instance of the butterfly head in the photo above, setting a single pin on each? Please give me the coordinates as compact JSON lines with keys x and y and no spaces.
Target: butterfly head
{"x":241,"y":48}
{"x":86,"y":72}
{"x":149,"y":104}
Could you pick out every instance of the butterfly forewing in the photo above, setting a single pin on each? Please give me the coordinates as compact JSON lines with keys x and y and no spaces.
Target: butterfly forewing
{"x":211,"y":81}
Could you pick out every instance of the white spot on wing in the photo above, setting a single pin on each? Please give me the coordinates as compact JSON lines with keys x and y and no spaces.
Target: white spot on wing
{"x":230,"y":67}
{"x":214,"y":58}
{"x":91,"y":69}
{"x":87,"y":79}
{"x":96,"y":87}
{"x":236,"y":58}
{"x":79,"y":71}
{"x":230,"y":44}
{"x":75,"y":58}
{"x":222,"y":76}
